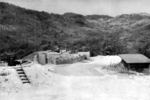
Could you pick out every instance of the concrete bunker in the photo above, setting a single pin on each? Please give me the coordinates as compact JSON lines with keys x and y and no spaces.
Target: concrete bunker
{"x":50,"y":57}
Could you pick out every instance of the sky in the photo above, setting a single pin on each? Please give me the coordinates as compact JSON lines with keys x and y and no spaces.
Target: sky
{"x":86,"y":7}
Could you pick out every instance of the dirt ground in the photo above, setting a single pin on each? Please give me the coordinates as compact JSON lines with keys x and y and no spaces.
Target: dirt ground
{"x":87,"y":80}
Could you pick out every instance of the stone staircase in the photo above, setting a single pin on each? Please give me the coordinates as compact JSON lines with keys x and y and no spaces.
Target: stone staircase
{"x":23,"y":77}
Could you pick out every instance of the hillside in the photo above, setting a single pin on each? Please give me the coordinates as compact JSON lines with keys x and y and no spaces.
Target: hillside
{"x":23,"y":31}
{"x":94,"y":79}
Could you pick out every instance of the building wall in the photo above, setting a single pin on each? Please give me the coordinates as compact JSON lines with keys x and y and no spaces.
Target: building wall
{"x":51,"y":58}
{"x":139,"y":67}
{"x":147,"y":70}
{"x":125,"y":64}
{"x":42,"y":58}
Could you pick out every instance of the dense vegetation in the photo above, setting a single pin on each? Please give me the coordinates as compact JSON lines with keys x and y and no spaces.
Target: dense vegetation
{"x":23,"y":31}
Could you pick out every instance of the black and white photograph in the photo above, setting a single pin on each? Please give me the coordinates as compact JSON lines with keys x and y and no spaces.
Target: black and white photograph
{"x":74,"y":49}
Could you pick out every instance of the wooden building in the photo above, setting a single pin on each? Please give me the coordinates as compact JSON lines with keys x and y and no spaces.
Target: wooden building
{"x":137,"y":62}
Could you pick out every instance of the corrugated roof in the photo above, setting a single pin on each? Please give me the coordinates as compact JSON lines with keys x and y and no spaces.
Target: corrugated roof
{"x":134,"y":58}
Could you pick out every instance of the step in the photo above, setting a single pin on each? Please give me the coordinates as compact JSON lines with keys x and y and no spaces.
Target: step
{"x":25,"y":78}
{"x":19,"y":69}
{"x":22,"y":75}
{"x":25,"y":81}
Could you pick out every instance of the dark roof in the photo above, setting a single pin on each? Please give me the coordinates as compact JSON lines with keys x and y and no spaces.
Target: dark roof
{"x":134,"y":58}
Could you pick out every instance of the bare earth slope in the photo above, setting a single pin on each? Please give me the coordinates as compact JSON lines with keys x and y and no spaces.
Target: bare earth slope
{"x":87,"y":80}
